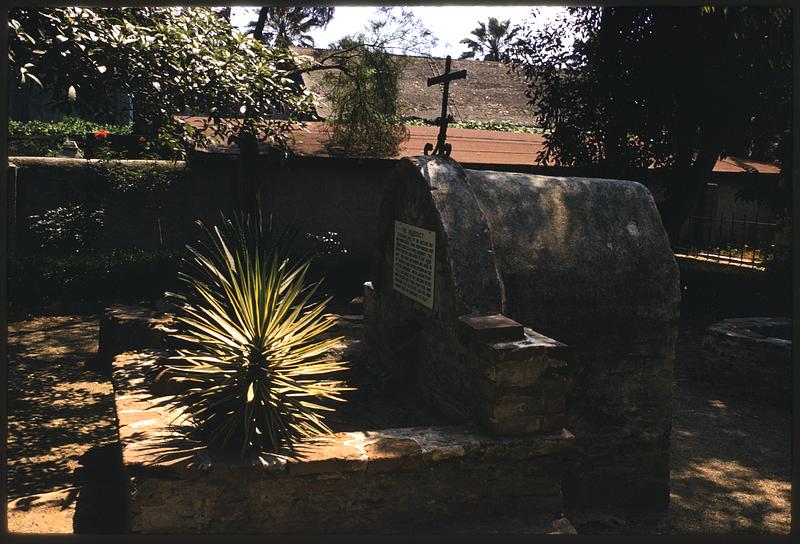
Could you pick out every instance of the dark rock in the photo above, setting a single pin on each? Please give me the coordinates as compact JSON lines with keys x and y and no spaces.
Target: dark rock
{"x":749,"y":358}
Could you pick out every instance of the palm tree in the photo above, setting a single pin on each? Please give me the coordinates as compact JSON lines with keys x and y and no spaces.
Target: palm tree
{"x":284,"y":26}
{"x":491,"y":42}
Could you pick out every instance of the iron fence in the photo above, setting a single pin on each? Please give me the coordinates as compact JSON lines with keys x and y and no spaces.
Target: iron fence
{"x":731,"y":239}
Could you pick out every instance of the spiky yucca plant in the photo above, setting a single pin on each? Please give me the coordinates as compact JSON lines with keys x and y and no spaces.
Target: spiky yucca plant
{"x":256,"y":368}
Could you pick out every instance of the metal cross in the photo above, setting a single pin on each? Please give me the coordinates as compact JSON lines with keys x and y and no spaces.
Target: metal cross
{"x":442,"y":149}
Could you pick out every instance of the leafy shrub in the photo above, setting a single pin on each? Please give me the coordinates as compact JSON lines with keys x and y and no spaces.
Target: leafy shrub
{"x":68,"y":127}
{"x":149,"y":183}
{"x":167,"y":61}
{"x":779,"y":266}
{"x":501,"y":126}
{"x":119,"y":276}
{"x":44,"y":138}
{"x":66,"y":229}
{"x":364,"y":100}
{"x":255,"y":364}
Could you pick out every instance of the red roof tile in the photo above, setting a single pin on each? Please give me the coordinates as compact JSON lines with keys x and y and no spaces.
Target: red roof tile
{"x":490,"y":147}
{"x":484,"y":147}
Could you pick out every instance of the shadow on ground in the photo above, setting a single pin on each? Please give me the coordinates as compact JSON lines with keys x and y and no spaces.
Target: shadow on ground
{"x":730,"y":460}
{"x":57,"y":409}
{"x":100,"y":507}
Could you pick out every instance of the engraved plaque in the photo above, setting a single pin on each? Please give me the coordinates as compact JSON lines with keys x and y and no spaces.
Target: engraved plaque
{"x":414,"y":252}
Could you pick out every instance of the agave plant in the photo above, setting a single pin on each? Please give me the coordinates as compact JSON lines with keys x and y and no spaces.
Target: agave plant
{"x":256,"y":368}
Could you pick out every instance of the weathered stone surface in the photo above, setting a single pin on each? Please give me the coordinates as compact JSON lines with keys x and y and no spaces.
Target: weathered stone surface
{"x":167,"y":383}
{"x":750,"y":358}
{"x":327,"y":456}
{"x":520,"y":424}
{"x":382,"y":480}
{"x":585,"y":262}
{"x":490,"y":327}
{"x":393,"y":454}
{"x":127,"y":328}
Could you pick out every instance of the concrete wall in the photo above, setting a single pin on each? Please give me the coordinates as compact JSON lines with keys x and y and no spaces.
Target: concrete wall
{"x":200,"y":192}
{"x":306,"y":191}
{"x":343,"y":196}
{"x":318,"y":194}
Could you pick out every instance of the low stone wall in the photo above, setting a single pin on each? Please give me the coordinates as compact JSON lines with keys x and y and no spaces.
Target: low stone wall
{"x":127,"y":328}
{"x":749,"y":358}
{"x":387,"y":480}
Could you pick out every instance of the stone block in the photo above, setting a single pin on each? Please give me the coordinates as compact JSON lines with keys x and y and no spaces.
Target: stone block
{"x":389,"y":454}
{"x":126,"y":328}
{"x":749,"y":358}
{"x":490,"y":327}
{"x":349,"y":482}
{"x":522,"y":424}
{"x":326,"y":457}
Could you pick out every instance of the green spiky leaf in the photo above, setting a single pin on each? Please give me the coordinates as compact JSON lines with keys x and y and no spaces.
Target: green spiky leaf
{"x":261,"y":374}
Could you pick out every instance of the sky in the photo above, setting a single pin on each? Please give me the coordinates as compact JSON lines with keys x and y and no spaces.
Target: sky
{"x":450,"y":24}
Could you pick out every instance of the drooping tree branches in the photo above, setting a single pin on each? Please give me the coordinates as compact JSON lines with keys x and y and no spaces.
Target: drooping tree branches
{"x":674,"y":88}
{"x":361,"y":82}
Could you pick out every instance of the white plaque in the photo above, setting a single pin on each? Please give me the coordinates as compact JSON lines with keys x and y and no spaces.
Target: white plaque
{"x":414,"y":256}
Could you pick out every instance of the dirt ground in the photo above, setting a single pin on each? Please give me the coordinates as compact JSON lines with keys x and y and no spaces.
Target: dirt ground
{"x":730,"y":460}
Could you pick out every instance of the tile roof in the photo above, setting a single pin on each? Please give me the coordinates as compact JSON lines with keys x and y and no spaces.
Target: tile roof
{"x":487,"y":147}
{"x":476,"y":147}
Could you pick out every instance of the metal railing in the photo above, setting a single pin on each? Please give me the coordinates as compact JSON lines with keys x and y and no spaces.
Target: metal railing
{"x":731,"y":239}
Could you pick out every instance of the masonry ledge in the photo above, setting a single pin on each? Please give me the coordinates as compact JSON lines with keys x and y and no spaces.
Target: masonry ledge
{"x":155,"y":439}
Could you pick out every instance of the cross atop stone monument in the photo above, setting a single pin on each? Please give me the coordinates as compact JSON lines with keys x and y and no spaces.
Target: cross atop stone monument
{"x":443,"y":149}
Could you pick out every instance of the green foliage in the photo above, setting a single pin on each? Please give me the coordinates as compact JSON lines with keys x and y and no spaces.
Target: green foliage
{"x":256,"y":367}
{"x":364,"y":101}
{"x":120,"y":275}
{"x":780,"y":261}
{"x":68,"y":127}
{"x":169,"y":61}
{"x":126,"y":178}
{"x":665,"y":87}
{"x":149,"y":183}
{"x":43,"y":138}
{"x":66,"y":229}
{"x":363,"y":91}
{"x":492,"y":40}
{"x":499,"y":126}
{"x":283,"y":26}
{"x":648,"y":86}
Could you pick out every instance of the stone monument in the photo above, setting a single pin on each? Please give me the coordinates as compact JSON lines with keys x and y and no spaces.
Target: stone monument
{"x":486,"y":283}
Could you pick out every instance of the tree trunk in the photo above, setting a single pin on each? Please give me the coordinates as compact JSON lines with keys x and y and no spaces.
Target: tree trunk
{"x":248,"y":172}
{"x":685,"y":190}
{"x":615,"y":140}
{"x":258,"y":32}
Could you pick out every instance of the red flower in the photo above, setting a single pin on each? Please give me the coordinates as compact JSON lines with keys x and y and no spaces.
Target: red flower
{"x":100,"y":134}
{"x":141,"y":138}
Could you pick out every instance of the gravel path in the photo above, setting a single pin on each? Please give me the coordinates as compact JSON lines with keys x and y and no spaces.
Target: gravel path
{"x":730,"y":460}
